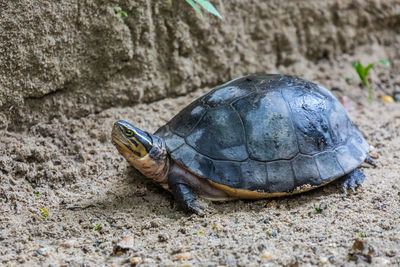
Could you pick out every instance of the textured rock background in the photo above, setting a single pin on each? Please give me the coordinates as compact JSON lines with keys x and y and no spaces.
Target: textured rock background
{"x":74,"y":58}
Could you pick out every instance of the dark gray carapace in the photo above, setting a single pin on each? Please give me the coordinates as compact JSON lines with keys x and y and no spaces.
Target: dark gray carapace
{"x":266,"y":133}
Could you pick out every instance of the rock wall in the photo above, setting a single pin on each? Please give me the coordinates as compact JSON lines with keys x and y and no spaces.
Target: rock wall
{"x":74,"y":57}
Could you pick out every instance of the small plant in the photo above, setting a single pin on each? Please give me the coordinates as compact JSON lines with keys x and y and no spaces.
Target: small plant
{"x":97,"y":227}
{"x":204,"y":4}
{"x":44,"y":212}
{"x":119,"y":12}
{"x":37,"y":194}
{"x":364,"y":71}
{"x":198,"y":233}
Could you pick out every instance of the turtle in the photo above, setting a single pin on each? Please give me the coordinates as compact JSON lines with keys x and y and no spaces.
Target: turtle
{"x":258,"y":136}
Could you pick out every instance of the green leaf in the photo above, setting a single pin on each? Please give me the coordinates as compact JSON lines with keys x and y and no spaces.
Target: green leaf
{"x":169,"y":2}
{"x":209,"y":7}
{"x":97,"y":227}
{"x":385,"y":62}
{"x":359,"y":69}
{"x":124,"y":13}
{"x":117,"y":9}
{"x":195,"y":7}
{"x":367,"y":69}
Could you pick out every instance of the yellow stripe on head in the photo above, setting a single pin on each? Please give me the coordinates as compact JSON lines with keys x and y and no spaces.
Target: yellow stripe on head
{"x":132,"y":139}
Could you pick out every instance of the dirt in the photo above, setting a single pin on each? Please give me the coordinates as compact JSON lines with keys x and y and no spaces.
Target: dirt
{"x":69,"y":199}
{"x":70,"y":168}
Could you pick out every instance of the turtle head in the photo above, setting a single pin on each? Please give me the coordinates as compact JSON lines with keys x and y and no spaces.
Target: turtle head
{"x":145,"y":151}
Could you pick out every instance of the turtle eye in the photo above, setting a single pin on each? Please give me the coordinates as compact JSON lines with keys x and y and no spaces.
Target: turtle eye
{"x":128,"y":133}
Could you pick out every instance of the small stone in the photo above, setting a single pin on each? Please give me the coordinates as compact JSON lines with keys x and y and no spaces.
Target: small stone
{"x":182,"y":256}
{"x":135,"y":261}
{"x":261,"y":247}
{"x":125,"y":244}
{"x":39,"y":252}
{"x":85,"y":249}
{"x":162,"y":237}
{"x":396,"y":96}
{"x":68,"y":243}
{"x":347,"y":103}
{"x":154,"y":224}
{"x":362,"y":250}
{"x":323,"y":260}
{"x":141,"y":192}
{"x":266,"y":255}
{"x":230,"y":260}
{"x":331,"y":259}
{"x":176,"y":250}
{"x":358,"y":244}
{"x":218,"y":227}
{"x":387,"y":99}
{"x":380,"y":261}
{"x":272,"y":233}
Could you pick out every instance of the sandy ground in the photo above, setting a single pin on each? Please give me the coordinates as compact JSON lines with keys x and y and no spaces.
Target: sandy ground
{"x":70,"y":168}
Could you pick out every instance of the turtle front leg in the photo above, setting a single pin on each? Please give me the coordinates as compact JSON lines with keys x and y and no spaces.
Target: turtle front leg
{"x":184,"y":194}
{"x":352,"y":180}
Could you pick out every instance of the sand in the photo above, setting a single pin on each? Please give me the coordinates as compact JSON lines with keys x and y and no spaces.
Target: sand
{"x":99,"y":211}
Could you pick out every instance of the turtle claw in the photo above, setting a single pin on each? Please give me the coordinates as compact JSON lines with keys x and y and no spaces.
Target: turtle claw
{"x":370,"y":161}
{"x":352,"y":180}
{"x":196,"y":207}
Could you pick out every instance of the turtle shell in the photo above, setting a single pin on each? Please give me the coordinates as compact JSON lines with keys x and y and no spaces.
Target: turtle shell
{"x":266,"y":133}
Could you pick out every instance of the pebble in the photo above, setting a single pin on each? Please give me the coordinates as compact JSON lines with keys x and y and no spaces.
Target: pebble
{"x":272,"y":233}
{"x":380,"y":261}
{"x":266,"y":255}
{"x":347,"y":103}
{"x":125,"y":244}
{"x":230,"y":260}
{"x":218,"y":227}
{"x":261,"y":247}
{"x":141,"y":192}
{"x":163,"y":237}
{"x":396,"y":96}
{"x":68,"y":244}
{"x":154,"y":224}
{"x":266,"y":220}
{"x":323,"y":260}
{"x":135,"y":261}
{"x":362,"y":250}
{"x":387,"y":99}
{"x":182,"y":256}
{"x":39,"y":252}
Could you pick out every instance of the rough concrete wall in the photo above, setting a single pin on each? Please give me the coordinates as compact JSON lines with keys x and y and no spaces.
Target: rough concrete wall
{"x":73,"y":58}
